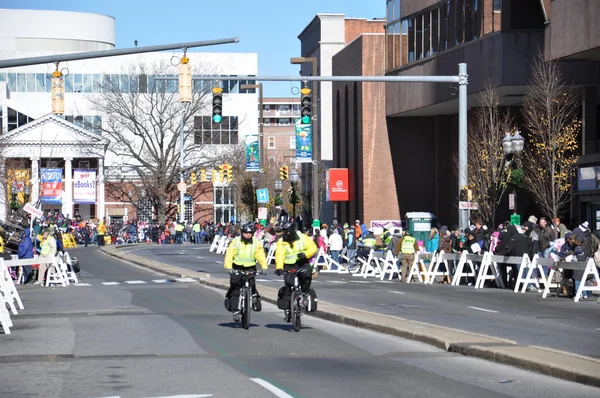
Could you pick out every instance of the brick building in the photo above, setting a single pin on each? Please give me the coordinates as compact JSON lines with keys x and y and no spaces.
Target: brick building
{"x":279,"y":138}
{"x":498,"y":40}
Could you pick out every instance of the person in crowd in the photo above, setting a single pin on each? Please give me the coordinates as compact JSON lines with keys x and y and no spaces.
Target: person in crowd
{"x":407,"y":246}
{"x":48,"y":250}
{"x":26,"y":251}
{"x":434,"y":240}
{"x":336,"y":245}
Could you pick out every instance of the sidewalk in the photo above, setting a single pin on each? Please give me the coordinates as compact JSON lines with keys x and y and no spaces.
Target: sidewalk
{"x":555,"y":363}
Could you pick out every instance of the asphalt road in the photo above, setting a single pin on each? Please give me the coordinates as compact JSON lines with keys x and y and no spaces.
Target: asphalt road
{"x":556,"y":323}
{"x":128,"y":332}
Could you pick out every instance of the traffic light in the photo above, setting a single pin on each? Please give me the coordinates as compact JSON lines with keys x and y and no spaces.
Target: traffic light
{"x":185,"y":80}
{"x":469,"y":195}
{"x":58,"y":93}
{"x":306,"y":105}
{"x":283,"y":173}
{"x":226,"y":172}
{"x":217,"y":105}
{"x":193,"y":178}
{"x":203,"y":175}
{"x":209,"y":174}
{"x":464,"y":195}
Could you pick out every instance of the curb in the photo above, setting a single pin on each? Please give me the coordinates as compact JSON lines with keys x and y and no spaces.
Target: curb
{"x":548,"y":362}
{"x":166,"y":269}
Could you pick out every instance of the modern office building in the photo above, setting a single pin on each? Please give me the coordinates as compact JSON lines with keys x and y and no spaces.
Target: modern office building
{"x":498,"y":40}
{"x":34,"y":139}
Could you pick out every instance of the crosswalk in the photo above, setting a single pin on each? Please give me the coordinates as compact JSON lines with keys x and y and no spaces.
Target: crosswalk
{"x":137,"y":282}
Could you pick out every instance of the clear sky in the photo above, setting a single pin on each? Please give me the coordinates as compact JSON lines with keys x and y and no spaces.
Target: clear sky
{"x":267,"y":27}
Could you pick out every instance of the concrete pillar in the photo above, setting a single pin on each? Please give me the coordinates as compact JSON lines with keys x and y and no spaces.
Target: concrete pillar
{"x":67,"y":200}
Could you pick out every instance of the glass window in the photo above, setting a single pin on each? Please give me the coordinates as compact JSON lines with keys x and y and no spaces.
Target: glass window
{"x":21,"y":82}
{"x":233,"y":122}
{"x":2,"y":77}
{"x":267,"y":122}
{"x":87,"y":122}
{"x":451,"y":25}
{"x":115,"y":83}
{"x":87,"y":83}
{"x":12,"y":81}
{"x":224,"y":137}
{"x":477,"y":20}
{"x":234,"y":86}
{"x":498,"y":5}
{"x":460,"y":21}
{"x":77,"y":83}
{"x":396,"y":9}
{"x":198,"y":86}
{"x":97,"y":124}
{"x":435,"y":33}
{"x":40,"y":82}
{"x":124,"y":80}
{"x":225,"y":86}
{"x":271,"y":141}
{"x":411,"y":39}
{"x":234,"y":137}
{"x":419,"y":36}
{"x":293,"y":142}
{"x":97,"y":84}
{"x":390,"y":11}
{"x":296,"y":108}
{"x":31,"y":82}
{"x":427,"y":34}
{"x":78,"y":121}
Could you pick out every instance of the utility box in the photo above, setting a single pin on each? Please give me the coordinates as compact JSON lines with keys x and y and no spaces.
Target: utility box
{"x":419,"y":225}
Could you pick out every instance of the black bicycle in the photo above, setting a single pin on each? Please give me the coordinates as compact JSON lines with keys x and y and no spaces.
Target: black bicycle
{"x":245,"y":300}
{"x":298,"y":300}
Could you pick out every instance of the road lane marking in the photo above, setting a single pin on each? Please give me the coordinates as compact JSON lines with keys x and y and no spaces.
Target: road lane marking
{"x":336,"y":282}
{"x":81,"y":284}
{"x":160,"y":280}
{"x":278,"y":392}
{"x":361,"y":282}
{"x":395,"y":292}
{"x":110,"y":283}
{"x":200,"y":257}
{"x":135,"y":282}
{"x":483,"y":309}
{"x":218,"y":262}
{"x":185,"y":280}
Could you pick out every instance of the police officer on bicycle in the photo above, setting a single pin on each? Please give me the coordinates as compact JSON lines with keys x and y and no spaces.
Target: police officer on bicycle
{"x":243,"y":254}
{"x":293,"y":251}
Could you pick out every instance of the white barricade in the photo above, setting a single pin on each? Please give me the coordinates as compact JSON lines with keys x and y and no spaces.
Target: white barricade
{"x":215,"y":243}
{"x":389,"y":265}
{"x":589,"y":269}
{"x":56,"y":274}
{"x":365,"y":267}
{"x":419,"y":269}
{"x":321,"y":261}
{"x":223,"y":245}
{"x":9,"y":291}
{"x":466,"y":261}
{"x":271,"y":253}
{"x":525,"y":276}
{"x":434,"y":266}
{"x":490,"y":270}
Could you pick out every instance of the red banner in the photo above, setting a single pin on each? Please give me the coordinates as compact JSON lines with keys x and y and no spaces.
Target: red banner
{"x":338,"y":185}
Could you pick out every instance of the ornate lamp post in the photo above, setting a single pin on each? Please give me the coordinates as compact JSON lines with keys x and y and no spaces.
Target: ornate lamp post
{"x":512,"y":146}
{"x":294,"y":199}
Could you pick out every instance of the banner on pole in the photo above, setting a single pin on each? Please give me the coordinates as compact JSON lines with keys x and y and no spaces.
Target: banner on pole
{"x":303,"y":142}
{"x":51,"y":186}
{"x":252,"y":153}
{"x":84,"y":186}
{"x":337,"y":185}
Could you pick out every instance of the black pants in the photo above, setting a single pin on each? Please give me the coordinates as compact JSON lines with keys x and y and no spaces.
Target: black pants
{"x":235,"y":283}
{"x":304,"y":278}
{"x":100,"y":240}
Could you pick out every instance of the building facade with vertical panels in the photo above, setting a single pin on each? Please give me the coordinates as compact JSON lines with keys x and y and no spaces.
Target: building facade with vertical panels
{"x":280,"y":115}
{"x":498,"y":40}
{"x":30,"y":130}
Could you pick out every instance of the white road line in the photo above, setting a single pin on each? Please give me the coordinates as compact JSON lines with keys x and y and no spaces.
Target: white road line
{"x":185,"y":280}
{"x":336,"y":282}
{"x":395,"y":292}
{"x":264,"y":280}
{"x":135,"y":282}
{"x":200,"y":257}
{"x":361,"y":282}
{"x":278,"y":392}
{"x":110,"y":283}
{"x":81,"y":284}
{"x":385,"y":282}
{"x":483,"y":309}
{"x":160,"y":280}
{"x":182,"y":253}
{"x":218,"y":262}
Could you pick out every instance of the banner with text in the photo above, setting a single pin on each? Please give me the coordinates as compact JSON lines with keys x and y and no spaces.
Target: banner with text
{"x":84,"y":186}
{"x":303,"y":142}
{"x":337,"y":184}
{"x":252,"y":153}
{"x":51,"y":186}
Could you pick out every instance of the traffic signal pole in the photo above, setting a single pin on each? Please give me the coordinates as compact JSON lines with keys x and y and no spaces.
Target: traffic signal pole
{"x":462,"y":79}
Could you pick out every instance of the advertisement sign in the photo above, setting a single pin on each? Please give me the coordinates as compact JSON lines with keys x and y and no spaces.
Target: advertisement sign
{"x":252,"y":153}
{"x":51,"y":186}
{"x":84,"y":186}
{"x":303,"y":142}
{"x":338,"y":185}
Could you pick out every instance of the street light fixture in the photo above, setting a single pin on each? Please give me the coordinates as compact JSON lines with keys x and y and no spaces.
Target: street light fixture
{"x":513,"y":145}
{"x":294,"y":177}
{"x":278,"y":186}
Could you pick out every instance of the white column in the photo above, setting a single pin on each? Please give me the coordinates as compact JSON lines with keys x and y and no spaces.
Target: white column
{"x":67,"y":206}
{"x":35,"y":180}
{"x":4,"y":200}
{"x":100,"y":190}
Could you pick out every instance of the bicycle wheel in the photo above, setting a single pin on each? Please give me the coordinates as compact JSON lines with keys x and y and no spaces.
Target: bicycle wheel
{"x":247,"y":309}
{"x":295,"y":311}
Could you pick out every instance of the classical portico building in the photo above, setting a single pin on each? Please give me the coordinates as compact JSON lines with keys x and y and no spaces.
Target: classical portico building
{"x":52,"y":143}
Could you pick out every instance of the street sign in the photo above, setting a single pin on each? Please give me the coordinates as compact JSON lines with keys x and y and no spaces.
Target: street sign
{"x":262,"y":213}
{"x":468,"y":205}
{"x":262,"y":195}
{"x":33,"y":210}
{"x":511,"y":201}
{"x":182,"y":186}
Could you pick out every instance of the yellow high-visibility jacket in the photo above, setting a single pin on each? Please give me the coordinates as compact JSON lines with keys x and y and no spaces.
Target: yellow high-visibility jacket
{"x":287,"y":255}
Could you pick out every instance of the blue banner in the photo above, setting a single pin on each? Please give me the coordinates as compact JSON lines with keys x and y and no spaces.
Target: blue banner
{"x":252,"y":153}
{"x":51,"y":186}
{"x":303,"y":142}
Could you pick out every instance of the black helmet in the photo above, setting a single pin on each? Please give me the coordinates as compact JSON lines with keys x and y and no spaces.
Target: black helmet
{"x":289,"y":227}
{"x":248,"y":228}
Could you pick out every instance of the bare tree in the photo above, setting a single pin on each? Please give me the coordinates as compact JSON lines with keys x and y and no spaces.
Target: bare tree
{"x":551,"y":112}
{"x":144,"y":133}
{"x":487,"y":171}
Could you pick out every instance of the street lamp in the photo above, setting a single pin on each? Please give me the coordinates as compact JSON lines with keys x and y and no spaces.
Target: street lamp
{"x":294,"y":177}
{"x":27,"y":192}
{"x":315,"y":133}
{"x":14,"y":205}
{"x":512,"y":146}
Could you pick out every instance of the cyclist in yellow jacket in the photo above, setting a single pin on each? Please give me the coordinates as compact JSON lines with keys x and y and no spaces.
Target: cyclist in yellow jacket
{"x":243,"y":254}
{"x":293,"y":251}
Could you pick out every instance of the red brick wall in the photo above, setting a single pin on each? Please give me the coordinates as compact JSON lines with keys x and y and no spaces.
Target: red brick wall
{"x":356,"y":27}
